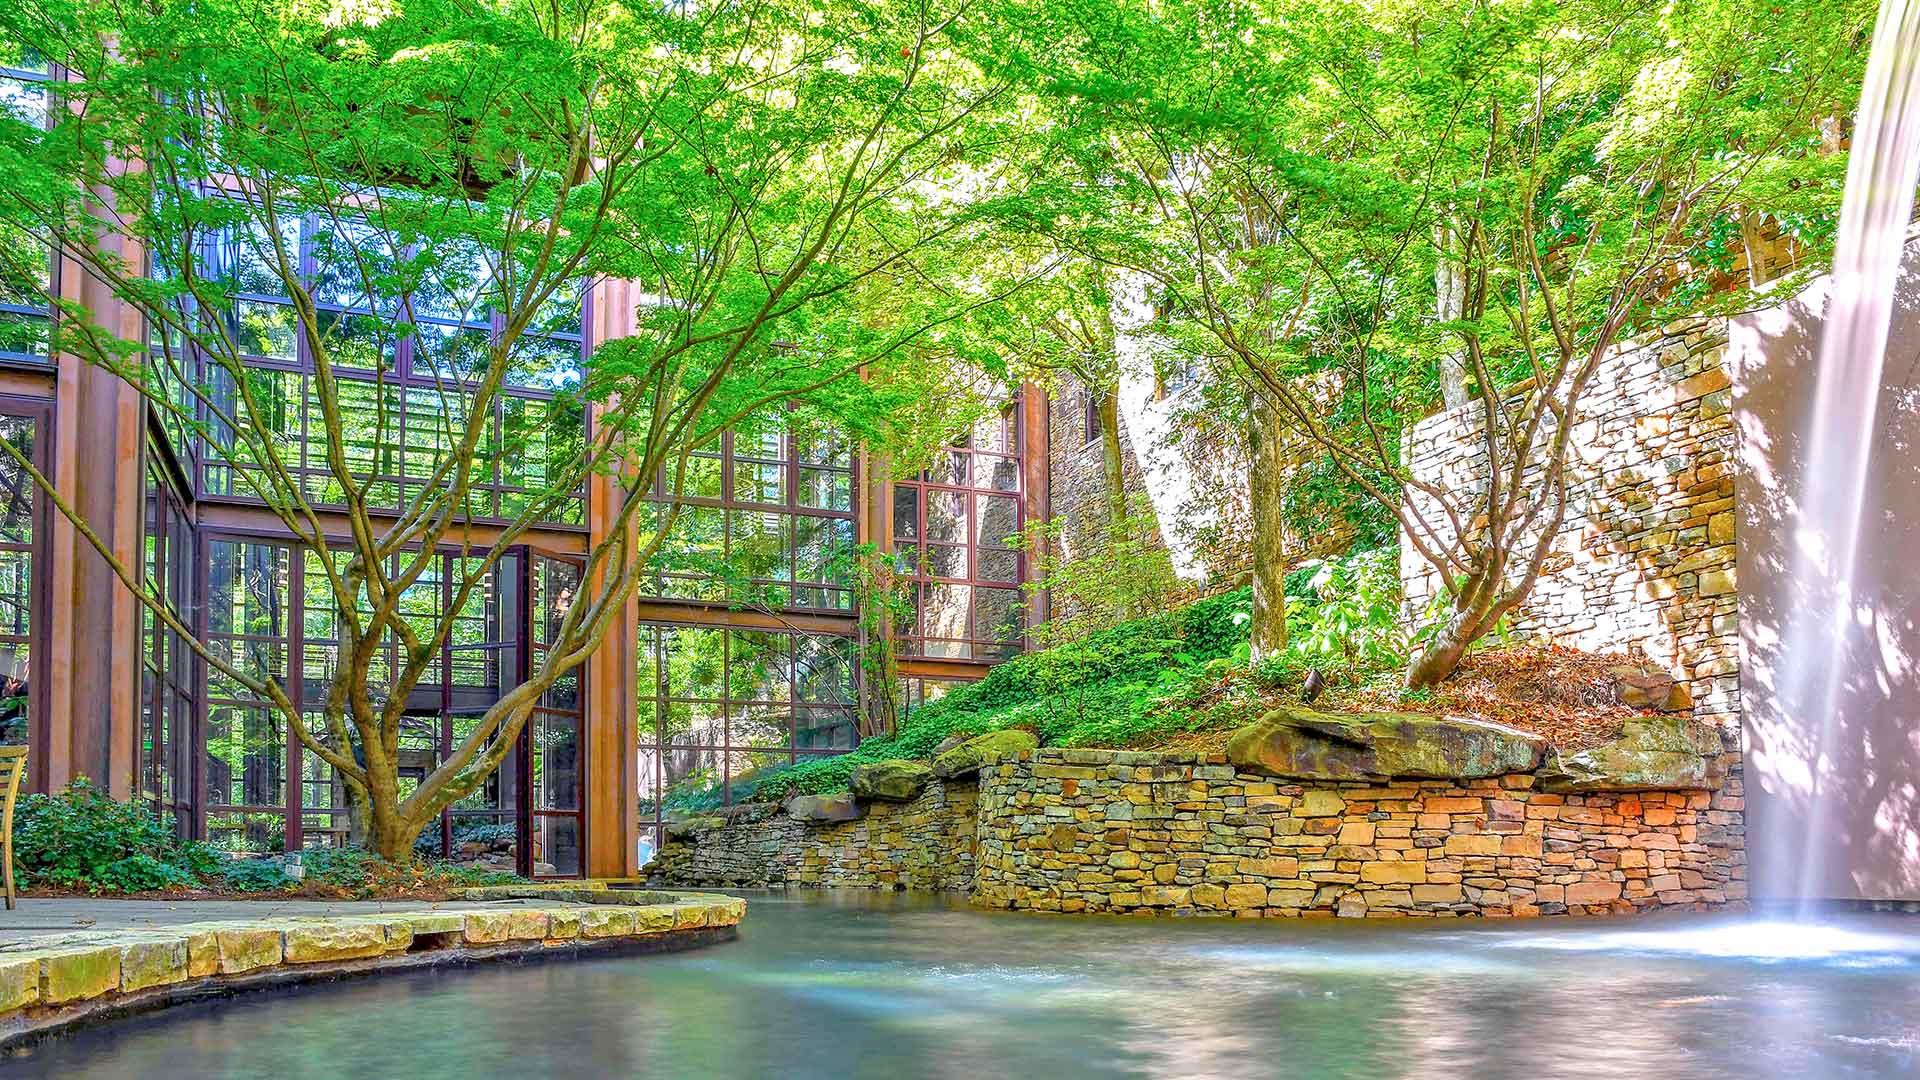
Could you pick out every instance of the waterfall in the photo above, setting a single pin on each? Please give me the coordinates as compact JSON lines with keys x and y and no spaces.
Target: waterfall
{"x":1829,"y":503}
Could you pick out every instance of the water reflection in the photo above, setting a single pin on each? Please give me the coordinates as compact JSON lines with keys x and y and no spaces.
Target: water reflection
{"x":826,"y":985}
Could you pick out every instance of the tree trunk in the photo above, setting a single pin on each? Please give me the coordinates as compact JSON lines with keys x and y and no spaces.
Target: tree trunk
{"x":1442,"y":655}
{"x":1270,"y":548}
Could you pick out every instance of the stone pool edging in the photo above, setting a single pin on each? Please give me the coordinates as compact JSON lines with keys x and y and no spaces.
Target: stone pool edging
{"x":51,"y":983}
{"x":1130,"y":832}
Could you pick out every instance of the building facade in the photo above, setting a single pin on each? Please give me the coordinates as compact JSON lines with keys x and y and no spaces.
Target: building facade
{"x":740,"y":654}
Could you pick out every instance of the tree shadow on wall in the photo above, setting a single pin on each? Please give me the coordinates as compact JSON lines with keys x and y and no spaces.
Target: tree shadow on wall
{"x":1853,"y":825}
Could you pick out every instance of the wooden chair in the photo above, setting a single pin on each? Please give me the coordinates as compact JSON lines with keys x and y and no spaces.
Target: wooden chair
{"x":13,"y":762}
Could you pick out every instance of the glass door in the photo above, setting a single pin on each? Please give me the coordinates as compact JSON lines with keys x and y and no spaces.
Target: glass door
{"x":553,"y":743}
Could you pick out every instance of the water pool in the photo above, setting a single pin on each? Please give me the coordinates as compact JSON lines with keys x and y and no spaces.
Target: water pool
{"x":855,"y":985}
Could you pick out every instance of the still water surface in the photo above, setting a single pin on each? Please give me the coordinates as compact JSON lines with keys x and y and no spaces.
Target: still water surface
{"x":851,"y":986}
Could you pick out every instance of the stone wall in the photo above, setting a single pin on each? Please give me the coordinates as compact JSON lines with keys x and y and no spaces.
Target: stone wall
{"x":1116,"y":831}
{"x":1102,"y":830}
{"x":923,"y":844}
{"x":1645,"y":556}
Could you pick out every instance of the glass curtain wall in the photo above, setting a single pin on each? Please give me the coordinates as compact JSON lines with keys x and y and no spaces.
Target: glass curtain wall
{"x":723,"y":708}
{"x":954,"y":526}
{"x":766,"y":521}
{"x":168,"y":702}
{"x":26,"y":315}
{"x":263,"y":616}
{"x":405,"y":375}
{"x":21,"y":528}
{"x":729,"y":689}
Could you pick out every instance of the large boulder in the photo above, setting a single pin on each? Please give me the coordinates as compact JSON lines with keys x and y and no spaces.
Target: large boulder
{"x":1653,"y":753}
{"x":825,"y":808}
{"x":1303,"y":744}
{"x":681,"y":828}
{"x":890,"y":781}
{"x":982,"y":750}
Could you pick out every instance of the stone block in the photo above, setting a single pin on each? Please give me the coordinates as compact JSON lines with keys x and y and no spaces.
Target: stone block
{"x":1319,"y":803}
{"x":1357,"y":834}
{"x":1587,"y":893}
{"x":825,"y":808}
{"x":19,"y":982}
{"x":334,"y":941}
{"x":78,"y":972}
{"x":610,"y":921}
{"x":1438,"y":894}
{"x":1246,"y":896}
{"x":891,"y":781}
{"x":1166,"y":895}
{"x":1472,"y":844}
{"x":563,"y":924}
{"x":1271,"y":867}
{"x":159,"y":962}
{"x":434,"y":922}
{"x":653,"y":919}
{"x":1394,"y":873}
{"x":1305,"y":744}
{"x":203,"y":951}
{"x":247,"y":948}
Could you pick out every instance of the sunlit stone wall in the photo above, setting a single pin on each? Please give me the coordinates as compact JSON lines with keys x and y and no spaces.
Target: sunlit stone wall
{"x":1644,"y":560}
{"x":1147,"y":833}
{"x":1115,"y":831}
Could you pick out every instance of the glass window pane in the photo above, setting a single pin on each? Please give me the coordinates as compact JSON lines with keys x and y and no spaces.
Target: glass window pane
{"x":826,"y":489}
{"x":906,"y":512}
{"x":556,"y":743}
{"x":556,"y":846}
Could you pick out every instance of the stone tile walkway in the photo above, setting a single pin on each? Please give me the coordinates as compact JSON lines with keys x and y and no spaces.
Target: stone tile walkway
{"x":42,"y":917}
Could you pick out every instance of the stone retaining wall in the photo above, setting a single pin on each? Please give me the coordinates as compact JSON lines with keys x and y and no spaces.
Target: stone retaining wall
{"x":1099,"y":830}
{"x":54,"y":982}
{"x":923,"y":844}
{"x":1113,"y":831}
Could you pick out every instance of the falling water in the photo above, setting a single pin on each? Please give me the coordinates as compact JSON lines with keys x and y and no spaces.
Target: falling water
{"x":1881,"y":176}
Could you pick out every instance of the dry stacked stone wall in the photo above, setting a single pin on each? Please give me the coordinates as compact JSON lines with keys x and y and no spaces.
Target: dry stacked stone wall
{"x":923,"y":844}
{"x":1101,"y":830}
{"x":1645,"y":556}
{"x":1182,"y":834}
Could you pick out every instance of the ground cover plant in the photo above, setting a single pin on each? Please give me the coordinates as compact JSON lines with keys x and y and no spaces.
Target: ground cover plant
{"x":81,"y":840}
{"x":1186,"y":678}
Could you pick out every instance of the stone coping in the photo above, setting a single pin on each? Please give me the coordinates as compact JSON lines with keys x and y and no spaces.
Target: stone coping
{"x":55,"y":982}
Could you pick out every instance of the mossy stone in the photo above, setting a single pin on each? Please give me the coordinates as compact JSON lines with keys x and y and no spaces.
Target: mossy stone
{"x":891,"y":781}
{"x":1304,"y":744}
{"x":1653,"y":753}
{"x":982,"y":750}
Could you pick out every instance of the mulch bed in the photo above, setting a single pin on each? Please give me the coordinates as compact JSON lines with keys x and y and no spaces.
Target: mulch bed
{"x":1563,"y":695}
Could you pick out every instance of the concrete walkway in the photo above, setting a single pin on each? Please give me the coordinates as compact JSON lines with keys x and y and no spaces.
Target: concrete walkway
{"x":38,"y":918}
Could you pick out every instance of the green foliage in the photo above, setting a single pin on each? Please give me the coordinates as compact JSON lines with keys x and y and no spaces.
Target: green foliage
{"x":81,"y":838}
{"x":1345,"y":612}
{"x":1110,"y":688}
{"x":1124,"y":573}
{"x":253,"y":875}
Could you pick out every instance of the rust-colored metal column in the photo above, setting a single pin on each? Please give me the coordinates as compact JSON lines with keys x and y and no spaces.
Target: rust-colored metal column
{"x":1034,"y":476}
{"x":612,"y":784}
{"x":93,"y":624}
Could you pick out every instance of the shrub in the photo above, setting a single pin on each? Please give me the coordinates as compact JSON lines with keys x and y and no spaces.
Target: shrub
{"x":81,"y":838}
{"x":253,"y":875}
